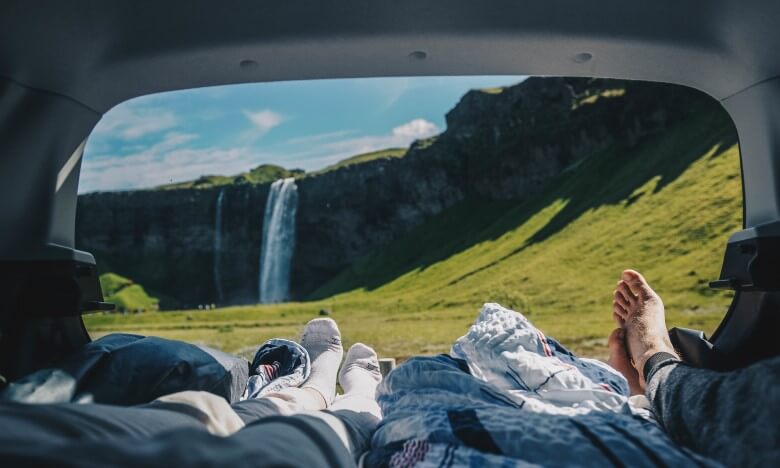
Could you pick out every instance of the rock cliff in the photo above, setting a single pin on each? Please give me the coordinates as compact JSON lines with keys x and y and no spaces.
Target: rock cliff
{"x":504,"y":144}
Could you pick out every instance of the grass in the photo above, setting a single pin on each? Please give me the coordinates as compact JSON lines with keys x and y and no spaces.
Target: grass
{"x":266,"y":173}
{"x":262,"y":174}
{"x":665,"y":207}
{"x":361,"y":158}
{"x":126,"y":295}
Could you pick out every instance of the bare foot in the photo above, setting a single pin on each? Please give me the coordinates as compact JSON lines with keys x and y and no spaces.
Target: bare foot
{"x":620,"y":360}
{"x":642,"y":312}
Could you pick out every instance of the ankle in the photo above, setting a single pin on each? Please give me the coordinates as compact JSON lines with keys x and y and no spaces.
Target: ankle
{"x":658,"y":346}
{"x":318,"y":395}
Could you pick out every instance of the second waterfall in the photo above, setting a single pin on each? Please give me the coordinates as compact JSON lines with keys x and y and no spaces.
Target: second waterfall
{"x":278,"y":241}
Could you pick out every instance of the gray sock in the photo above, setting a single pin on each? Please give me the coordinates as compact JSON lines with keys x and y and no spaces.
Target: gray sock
{"x":360,"y":372}
{"x":322,"y":339}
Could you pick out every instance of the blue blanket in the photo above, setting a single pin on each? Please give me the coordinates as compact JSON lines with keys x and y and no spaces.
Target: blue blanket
{"x":510,"y":396}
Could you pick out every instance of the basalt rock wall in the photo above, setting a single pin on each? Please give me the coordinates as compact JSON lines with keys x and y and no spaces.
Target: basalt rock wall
{"x":503,"y":144}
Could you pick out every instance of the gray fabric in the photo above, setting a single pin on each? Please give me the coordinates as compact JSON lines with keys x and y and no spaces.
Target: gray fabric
{"x":254,"y":409}
{"x":294,"y":441}
{"x":159,"y":434}
{"x":45,"y":425}
{"x":360,"y":426}
{"x":731,"y":417}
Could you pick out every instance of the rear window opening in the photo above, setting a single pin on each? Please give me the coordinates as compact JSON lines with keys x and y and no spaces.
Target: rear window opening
{"x":398,"y":206}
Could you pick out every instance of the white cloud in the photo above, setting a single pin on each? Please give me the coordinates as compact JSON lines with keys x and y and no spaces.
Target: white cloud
{"x":264,"y":120}
{"x":143,"y":171}
{"x":165,"y":162}
{"x":401,"y":136}
{"x":130,"y":122}
{"x":330,"y":152}
{"x":171,"y":159}
{"x":415,"y":130}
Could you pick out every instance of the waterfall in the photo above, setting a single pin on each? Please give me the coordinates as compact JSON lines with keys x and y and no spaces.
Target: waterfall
{"x":278,"y":241}
{"x":218,"y":248}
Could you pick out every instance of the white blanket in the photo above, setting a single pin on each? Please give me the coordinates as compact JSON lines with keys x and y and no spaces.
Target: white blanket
{"x":510,"y":396}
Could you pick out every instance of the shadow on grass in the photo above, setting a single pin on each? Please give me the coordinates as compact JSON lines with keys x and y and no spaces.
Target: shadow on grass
{"x":611,"y":177}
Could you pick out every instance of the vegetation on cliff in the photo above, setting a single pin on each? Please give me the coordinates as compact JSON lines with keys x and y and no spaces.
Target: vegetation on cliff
{"x":263,"y":174}
{"x":665,"y":206}
{"x":126,"y":295}
{"x":365,"y":157}
{"x":267,"y":173}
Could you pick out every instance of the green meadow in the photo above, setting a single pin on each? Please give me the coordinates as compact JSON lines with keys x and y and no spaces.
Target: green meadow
{"x":665,"y":206}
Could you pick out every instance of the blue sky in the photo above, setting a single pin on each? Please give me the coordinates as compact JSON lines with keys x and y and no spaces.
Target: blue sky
{"x":180,"y":135}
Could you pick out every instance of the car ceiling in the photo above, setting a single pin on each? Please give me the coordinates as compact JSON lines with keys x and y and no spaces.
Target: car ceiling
{"x":100,"y":53}
{"x":64,"y":64}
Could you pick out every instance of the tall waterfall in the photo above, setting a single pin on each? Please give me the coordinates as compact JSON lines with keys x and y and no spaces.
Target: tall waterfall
{"x":218,"y":248}
{"x":278,"y":241}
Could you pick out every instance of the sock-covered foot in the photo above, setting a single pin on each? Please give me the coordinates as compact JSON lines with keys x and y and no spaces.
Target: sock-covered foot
{"x":360,"y":372}
{"x":322,"y":339}
{"x":621,"y":362}
{"x":645,"y":323}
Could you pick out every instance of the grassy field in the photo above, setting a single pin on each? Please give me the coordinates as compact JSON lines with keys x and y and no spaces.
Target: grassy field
{"x":665,"y":207}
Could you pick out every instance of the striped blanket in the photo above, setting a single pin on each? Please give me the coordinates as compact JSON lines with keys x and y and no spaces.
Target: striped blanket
{"x":507,"y":395}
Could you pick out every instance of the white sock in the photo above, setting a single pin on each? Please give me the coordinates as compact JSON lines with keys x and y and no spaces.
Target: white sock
{"x":322,"y":339}
{"x":360,"y":373}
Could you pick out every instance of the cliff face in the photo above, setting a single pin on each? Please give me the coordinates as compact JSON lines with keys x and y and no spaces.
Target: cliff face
{"x":164,"y":240}
{"x":499,"y":144}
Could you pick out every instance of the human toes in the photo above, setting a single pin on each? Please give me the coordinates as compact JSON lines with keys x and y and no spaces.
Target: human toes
{"x":625,"y":291}
{"x":360,"y":353}
{"x":360,"y":372}
{"x":321,"y":334}
{"x":637,"y":283}
{"x":619,"y":315}
{"x":621,"y":303}
{"x":321,"y":326}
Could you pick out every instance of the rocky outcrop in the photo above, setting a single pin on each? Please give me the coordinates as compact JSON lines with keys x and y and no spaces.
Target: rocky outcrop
{"x":499,"y":144}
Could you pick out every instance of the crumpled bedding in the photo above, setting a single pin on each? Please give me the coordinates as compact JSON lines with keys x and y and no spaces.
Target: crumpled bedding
{"x":510,"y":396}
{"x":278,"y":364}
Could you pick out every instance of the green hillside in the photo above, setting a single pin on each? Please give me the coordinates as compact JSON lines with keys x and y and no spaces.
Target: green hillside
{"x":665,"y":206}
{"x":262,"y":174}
{"x":365,"y":157}
{"x":266,"y":173}
{"x":126,"y":295}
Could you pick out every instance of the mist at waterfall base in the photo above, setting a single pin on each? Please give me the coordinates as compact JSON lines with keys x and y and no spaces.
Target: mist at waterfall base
{"x":278,"y":242}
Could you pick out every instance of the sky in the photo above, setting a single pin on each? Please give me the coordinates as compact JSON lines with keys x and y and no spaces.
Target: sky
{"x":181,"y":135}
